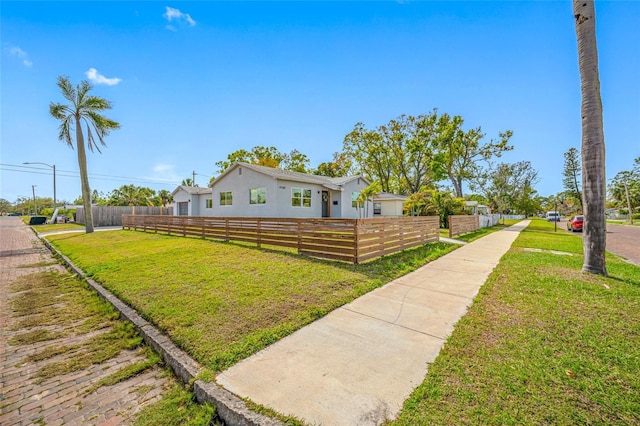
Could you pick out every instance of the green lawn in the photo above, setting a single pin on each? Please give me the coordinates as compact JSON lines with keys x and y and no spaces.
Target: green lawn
{"x":222,"y":302}
{"x":57,"y":227}
{"x":543,"y":343}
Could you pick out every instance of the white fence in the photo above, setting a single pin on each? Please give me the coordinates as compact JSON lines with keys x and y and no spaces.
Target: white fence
{"x":513,"y":216}
{"x":489,"y":220}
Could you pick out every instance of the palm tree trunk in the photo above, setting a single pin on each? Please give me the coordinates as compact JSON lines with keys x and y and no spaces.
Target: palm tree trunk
{"x":84,"y":178}
{"x":593,"y":149}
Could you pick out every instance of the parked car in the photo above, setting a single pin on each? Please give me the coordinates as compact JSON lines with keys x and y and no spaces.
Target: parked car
{"x":553,"y":216}
{"x":575,"y":223}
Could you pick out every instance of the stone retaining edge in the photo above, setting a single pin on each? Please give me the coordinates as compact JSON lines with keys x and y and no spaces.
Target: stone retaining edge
{"x":231,"y":409}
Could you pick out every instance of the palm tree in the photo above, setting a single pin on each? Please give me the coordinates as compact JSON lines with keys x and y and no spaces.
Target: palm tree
{"x":165,"y":198}
{"x":367,"y":195}
{"x":593,"y":150}
{"x":85,"y":108}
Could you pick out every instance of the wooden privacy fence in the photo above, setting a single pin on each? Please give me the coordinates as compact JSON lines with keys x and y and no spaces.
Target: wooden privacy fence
{"x":112,"y":215}
{"x":460,"y":224}
{"x":349,"y":240}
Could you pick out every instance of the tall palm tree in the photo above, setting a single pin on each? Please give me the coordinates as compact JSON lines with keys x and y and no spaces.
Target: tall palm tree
{"x":593,"y":165}
{"x":86,"y":108}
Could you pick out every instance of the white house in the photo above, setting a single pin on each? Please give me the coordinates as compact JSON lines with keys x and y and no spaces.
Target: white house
{"x":386,"y":204}
{"x":191,"y":201}
{"x":249,"y":190}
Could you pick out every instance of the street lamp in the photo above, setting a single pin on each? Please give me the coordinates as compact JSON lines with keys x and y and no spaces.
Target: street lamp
{"x":55,"y":204}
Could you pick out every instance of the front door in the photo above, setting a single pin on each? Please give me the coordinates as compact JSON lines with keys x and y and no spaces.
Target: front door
{"x":325,"y":204}
{"x":183,"y":209}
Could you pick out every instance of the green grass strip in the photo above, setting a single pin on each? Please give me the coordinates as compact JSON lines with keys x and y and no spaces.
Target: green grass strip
{"x":543,"y":343}
{"x":222,"y":302}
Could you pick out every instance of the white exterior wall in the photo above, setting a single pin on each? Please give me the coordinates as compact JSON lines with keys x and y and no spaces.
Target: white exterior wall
{"x":285,"y":209}
{"x":239,"y":185}
{"x":202,"y":205}
{"x":347,"y":211}
{"x":391,"y":208}
{"x":278,"y":199}
{"x":181,"y":197}
{"x":335,"y":210}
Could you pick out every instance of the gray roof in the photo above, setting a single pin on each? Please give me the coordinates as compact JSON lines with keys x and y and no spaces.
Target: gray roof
{"x":191,"y":190}
{"x":331,"y":183}
{"x":383,"y":196}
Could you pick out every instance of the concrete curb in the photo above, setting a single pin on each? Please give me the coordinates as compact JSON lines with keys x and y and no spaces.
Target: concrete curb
{"x":229,"y":408}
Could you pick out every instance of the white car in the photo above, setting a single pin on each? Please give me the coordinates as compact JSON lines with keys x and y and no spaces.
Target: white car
{"x":553,"y":216}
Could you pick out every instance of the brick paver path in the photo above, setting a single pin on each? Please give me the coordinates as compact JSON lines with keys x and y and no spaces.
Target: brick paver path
{"x":62,"y":399}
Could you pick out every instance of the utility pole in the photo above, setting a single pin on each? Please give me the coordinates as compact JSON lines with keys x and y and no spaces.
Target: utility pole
{"x":193,"y":180}
{"x":35,"y":206}
{"x":626,"y":191}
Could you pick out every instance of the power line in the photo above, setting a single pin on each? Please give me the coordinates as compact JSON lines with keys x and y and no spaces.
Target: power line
{"x":73,"y":174}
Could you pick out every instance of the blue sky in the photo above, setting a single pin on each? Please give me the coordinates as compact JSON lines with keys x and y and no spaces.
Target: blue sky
{"x":194,"y":81}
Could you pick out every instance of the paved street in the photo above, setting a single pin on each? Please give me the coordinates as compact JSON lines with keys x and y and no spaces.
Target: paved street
{"x":65,"y":398}
{"x":624,"y":241}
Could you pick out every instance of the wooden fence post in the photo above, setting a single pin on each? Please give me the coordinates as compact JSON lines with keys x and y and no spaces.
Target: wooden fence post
{"x":356,"y":233}
{"x":258,"y":231}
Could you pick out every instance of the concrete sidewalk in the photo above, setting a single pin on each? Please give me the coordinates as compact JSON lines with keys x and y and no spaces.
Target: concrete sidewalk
{"x":358,"y":365}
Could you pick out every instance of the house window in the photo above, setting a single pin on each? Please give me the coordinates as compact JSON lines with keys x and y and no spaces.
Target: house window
{"x":258,"y":196}
{"x":377,"y":208}
{"x":226,"y":199}
{"x":208,"y":203}
{"x":354,"y":199}
{"x":300,"y":197}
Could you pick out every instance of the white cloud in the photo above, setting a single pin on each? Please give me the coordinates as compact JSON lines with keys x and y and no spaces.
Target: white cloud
{"x":172,"y":14}
{"x":164,"y":172}
{"x":19,"y":53}
{"x":95,"y":77}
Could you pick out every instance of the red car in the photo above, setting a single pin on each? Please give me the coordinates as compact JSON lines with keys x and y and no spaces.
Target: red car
{"x":575,"y":223}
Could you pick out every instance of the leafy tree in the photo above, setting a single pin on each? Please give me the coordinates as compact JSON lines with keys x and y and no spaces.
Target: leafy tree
{"x":402,"y":155}
{"x":5,"y":206}
{"x":428,"y":202}
{"x":98,"y":198}
{"x":462,"y":151}
{"x":593,"y":146}
{"x":132,"y":195}
{"x":625,"y":188}
{"x":372,"y":157}
{"x":268,"y":157}
{"x":509,"y":188}
{"x":86,"y":108}
{"x":571,"y":175}
{"x":164,"y":197}
{"x":296,"y":162}
{"x":339,"y":167}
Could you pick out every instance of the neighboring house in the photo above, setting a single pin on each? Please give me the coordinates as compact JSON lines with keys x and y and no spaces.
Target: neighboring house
{"x":386,"y":204}
{"x":248,"y":190}
{"x":477,"y":208}
{"x":192,"y":201}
